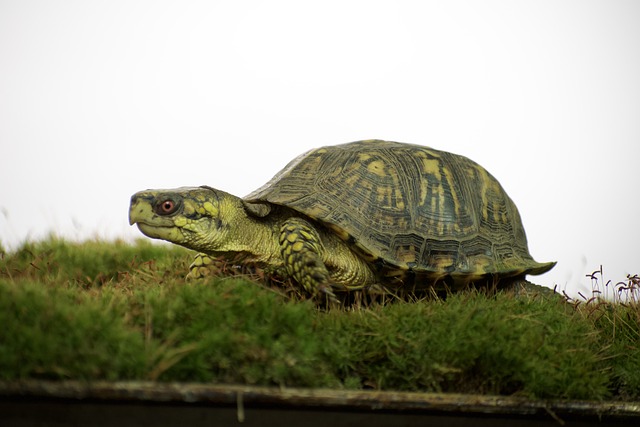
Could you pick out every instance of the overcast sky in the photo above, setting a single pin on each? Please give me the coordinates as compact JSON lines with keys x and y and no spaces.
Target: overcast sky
{"x":100,"y":99}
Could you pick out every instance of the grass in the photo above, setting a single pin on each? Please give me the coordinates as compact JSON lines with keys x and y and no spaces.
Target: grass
{"x":116,"y":311}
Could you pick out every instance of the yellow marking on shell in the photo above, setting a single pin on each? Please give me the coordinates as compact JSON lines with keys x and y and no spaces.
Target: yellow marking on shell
{"x":376,"y":167}
{"x":407,"y":255}
{"x":352,"y":180}
{"x":442,"y":262}
{"x":431,"y":166}
{"x":442,"y":175}
{"x":497,"y":214}
{"x":484,"y":179}
{"x":457,"y":203}
{"x":490,"y":188}
{"x":399,"y":197}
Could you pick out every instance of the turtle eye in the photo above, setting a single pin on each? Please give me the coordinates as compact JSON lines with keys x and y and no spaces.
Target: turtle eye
{"x":166,"y":207}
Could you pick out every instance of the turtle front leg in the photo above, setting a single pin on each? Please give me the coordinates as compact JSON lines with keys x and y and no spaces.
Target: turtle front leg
{"x":301,"y":249}
{"x":203,"y":266}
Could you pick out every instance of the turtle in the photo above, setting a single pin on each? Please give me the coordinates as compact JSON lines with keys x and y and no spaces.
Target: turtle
{"x":355,"y":216}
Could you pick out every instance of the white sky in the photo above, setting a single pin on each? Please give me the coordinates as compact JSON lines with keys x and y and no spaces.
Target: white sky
{"x":100,"y":99}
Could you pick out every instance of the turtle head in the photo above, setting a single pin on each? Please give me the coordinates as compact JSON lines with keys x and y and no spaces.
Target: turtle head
{"x":188,"y":216}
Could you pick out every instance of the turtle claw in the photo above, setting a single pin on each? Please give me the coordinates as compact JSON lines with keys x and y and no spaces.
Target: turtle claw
{"x":324,"y":293}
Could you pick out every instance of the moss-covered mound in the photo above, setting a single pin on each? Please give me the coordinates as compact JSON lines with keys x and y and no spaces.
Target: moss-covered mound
{"x":116,"y":311}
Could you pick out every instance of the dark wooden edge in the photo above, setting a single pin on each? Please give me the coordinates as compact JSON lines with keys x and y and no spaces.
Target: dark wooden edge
{"x":319,"y":399}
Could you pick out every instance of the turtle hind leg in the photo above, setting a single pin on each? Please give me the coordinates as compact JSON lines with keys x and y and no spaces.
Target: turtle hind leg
{"x":301,"y":249}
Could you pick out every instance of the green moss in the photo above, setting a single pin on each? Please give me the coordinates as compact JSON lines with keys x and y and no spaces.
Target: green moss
{"x":98,"y":310}
{"x":58,"y":333}
{"x":620,"y":325}
{"x":472,"y":343}
{"x":236,"y":332}
{"x":92,"y":262}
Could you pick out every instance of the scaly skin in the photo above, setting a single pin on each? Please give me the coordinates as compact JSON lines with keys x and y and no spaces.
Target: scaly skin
{"x":220,"y":225}
{"x":301,"y":249}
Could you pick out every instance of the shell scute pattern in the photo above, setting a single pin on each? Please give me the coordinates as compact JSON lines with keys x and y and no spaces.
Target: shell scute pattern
{"x":408,"y":207}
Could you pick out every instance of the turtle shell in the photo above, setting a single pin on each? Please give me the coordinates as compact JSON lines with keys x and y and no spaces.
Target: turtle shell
{"x":406,"y":207}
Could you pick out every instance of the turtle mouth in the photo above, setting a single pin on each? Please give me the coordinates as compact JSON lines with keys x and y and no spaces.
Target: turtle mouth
{"x":148,"y":224}
{"x":148,"y":229}
{"x":144,"y":228}
{"x":140,"y":219}
{"x":164,"y":232}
